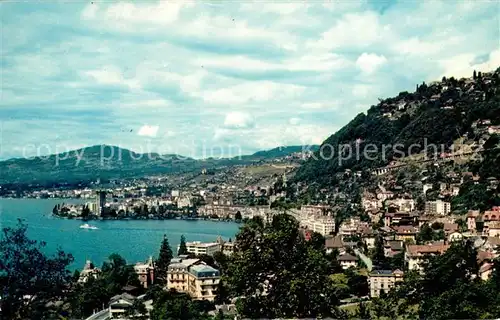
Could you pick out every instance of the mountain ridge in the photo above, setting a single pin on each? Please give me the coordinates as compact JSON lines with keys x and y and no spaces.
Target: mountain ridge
{"x":107,"y":161}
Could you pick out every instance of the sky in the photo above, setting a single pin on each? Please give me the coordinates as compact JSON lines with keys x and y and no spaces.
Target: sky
{"x":192,"y":77}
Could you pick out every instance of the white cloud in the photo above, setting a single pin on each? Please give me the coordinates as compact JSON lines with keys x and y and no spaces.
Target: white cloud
{"x":110,"y":75}
{"x":164,"y":12}
{"x":238,"y":120}
{"x":246,"y":92}
{"x":354,"y":30}
{"x":148,"y":131}
{"x":294,"y":121}
{"x":90,"y":11}
{"x":463,"y":65}
{"x":370,"y":62}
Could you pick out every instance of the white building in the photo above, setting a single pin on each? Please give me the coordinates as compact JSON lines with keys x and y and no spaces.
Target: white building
{"x":197,"y":247}
{"x":323,"y":225}
{"x":383,"y":280}
{"x":437,"y":207}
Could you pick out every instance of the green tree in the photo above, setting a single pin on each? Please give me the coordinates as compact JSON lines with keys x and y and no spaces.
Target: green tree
{"x":182,"y":247}
{"x":30,"y":280}
{"x":137,"y":311}
{"x":276,"y":259}
{"x":237,"y":216}
{"x":171,"y":305}
{"x":164,"y":258}
{"x":378,"y":257}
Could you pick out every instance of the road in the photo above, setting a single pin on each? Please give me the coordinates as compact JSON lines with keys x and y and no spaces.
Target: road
{"x":365,"y":259}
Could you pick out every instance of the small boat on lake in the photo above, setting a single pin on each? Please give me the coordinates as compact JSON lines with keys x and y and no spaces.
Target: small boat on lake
{"x":88,"y":226}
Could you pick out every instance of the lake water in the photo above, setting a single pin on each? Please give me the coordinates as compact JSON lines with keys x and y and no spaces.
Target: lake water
{"x":135,"y":240}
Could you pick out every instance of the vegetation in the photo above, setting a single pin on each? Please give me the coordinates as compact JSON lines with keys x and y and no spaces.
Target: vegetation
{"x":279,"y":273}
{"x":30,"y":281}
{"x":424,"y":120}
{"x":182,"y":247}
{"x":163,"y":261}
{"x":449,"y":288}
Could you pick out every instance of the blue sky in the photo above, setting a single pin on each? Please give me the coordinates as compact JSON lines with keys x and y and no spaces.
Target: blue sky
{"x":191,"y":77}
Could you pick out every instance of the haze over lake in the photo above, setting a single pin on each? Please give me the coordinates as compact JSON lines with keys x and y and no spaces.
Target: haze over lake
{"x":135,"y":240}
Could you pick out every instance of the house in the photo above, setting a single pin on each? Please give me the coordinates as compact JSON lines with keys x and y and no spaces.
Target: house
{"x":400,"y":218}
{"x":89,"y":270}
{"x":404,"y":205}
{"x":334,"y":243}
{"x":368,"y":236}
{"x":145,"y":272}
{"x":455,"y":236}
{"x":485,"y":271}
{"x":472,"y":218}
{"x":405,"y":233}
{"x":450,"y":228}
{"x":383,"y":280}
{"x":228,"y":248}
{"x":119,"y":305}
{"x":347,"y":261}
{"x":415,"y":254}
{"x":393,"y":247}
{"x":492,"y":229}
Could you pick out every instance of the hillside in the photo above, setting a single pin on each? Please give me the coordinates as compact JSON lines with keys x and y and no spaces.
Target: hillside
{"x":437,"y":113}
{"x":281,"y":152}
{"x":87,"y":164}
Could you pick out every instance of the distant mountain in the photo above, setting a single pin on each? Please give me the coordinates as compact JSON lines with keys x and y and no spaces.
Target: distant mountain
{"x":438,"y":114}
{"x":283,"y":151}
{"x":111,"y":162}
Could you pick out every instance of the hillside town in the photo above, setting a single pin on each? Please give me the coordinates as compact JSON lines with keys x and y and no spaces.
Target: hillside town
{"x":376,"y":227}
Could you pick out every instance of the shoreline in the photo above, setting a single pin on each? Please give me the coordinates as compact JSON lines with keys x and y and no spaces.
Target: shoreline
{"x":142,"y":218}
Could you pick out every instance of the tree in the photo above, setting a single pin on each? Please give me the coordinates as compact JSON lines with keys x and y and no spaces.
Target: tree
{"x":163,"y":261}
{"x":237,"y":216}
{"x":276,"y":259}
{"x":172,"y":305}
{"x":137,"y":311}
{"x":29,"y":279}
{"x":85,"y":212}
{"x":379,"y":258}
{"x":182,"y":247}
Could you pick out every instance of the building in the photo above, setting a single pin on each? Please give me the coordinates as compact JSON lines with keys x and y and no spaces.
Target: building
{"x":383,"y":280}
{"x":312,"y":210}
{"x":323,"y":225}
{"x":194,"y":277}
{"x":100,"y":202}
{"x":405,"y":233}
{"x":145,"y":272}
{"x":393,"y":247}
{"x":228,"y":248}
{"x":472,"y":217}
{"x":177,"y":274}
{"x":347,"y":261}
{"x":120,"y":304}
{"x":197,"y":248}
{"x":415,"y":254}
{"x":203,"y":282}
{"x":89,"y":270}
{"x":334,"y":243}
{"x":437,"y":207}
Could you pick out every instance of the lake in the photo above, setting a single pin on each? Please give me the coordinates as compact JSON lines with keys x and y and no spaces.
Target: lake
{"x":135,"y":240}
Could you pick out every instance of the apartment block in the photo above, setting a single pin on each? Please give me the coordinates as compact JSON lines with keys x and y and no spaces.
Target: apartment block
{"x":437,"y":207}
{"x":383,"y":280}
{"x":194,"y":277}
